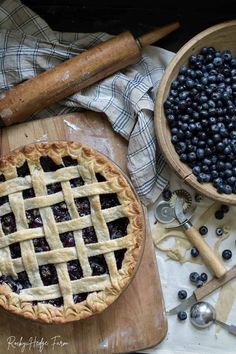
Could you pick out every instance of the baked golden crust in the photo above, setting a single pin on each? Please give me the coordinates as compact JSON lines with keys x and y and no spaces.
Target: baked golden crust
{"x":112,"y":285}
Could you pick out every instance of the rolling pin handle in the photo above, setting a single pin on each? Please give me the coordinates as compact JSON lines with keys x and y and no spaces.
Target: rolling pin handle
{"x":156,"y":34}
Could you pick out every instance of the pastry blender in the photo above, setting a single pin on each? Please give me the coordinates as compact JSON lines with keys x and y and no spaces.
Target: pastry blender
{"x":180,"y":208}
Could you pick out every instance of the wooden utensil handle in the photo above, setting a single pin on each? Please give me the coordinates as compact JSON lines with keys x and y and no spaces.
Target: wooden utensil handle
{"x":75,"y":74}
{"x":208,"y":256}
{"x":214,"y":284}
{"x":157,"y":33}
{"x":67,"y":78}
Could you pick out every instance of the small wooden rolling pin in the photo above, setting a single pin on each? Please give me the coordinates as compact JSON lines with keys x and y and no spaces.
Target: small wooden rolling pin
{"x":75,"y":74}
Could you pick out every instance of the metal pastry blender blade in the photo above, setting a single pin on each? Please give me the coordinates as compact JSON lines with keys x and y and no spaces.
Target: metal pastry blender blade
{"x":207,"y":254}
{"x":164,"y":211}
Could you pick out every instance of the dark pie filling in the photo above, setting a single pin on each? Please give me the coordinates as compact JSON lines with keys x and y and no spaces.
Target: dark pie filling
{"x":48,"y":165}
{"x":98,"y":265}
{"x":15,"y":250}
{"x":109,"y":200}
{"x":54,"y":188}
{"x":68,"y":161}
{"x":83,"y":206}
{"x":22,"y":281}
{"x":41,"y":244}
{"x":4,"y":200}
{"x":74,"y":270}
{"x":33,"y":218}
{"x":28,"y":193}
{"x":61,"y":212}
{"x":67,"y":239}
{"x":2,"y":178}
{"x":89,"y":235}
{"x":23,"y":170}
{"x":48,"y":273}
{"x":118,"y":228}
{"x":8,"y":223}
{"x":76,"y":182}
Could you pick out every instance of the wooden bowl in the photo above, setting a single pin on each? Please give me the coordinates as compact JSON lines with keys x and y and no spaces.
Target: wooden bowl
{"x":222,"y":37}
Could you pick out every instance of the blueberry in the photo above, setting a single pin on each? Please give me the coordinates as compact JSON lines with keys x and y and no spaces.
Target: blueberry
{"x":220,"y":189}
{"x":194,"y":252}
{"x":219,"y":214}
{"x":214,"y":174}
{"x":233,"y":62}
{"x":204,"y":169}
{"x":199,"y":283}
{"x":200,"y":153}
{"x":204,"y":177}
{"x":231,"y":180}
{"x":204,"y":277}
{"x":174,"y":139}
{"x":224,"y":208}
{"x":166,"y":194}
{"x":227,"y":254}
{"x":183,"y":157}
{"x":180,"y":147}
{"x":182,"y":294}
{"x":194,"y":277}
{"x":196,"y":170}
{"x":228,"y":189}
{"x":182,"y":315}
{"x":170,"y":118}
{"x":198,"y":198}
{"x":190,"y":83}
{"x":219,"y":231}
{"x":203,"y":230}
{"x":175,"y":84}
{"x":227,"y":56}
{"x":183,"y":70}
{"x":192,"y":156}
{"x":217,"y":61}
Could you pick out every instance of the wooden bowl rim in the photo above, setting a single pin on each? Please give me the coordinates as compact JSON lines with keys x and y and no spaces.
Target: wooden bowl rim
{"x":181,"y":169}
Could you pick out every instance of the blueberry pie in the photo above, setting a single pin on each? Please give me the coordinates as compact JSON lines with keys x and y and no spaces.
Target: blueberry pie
{"x":71,"y":232}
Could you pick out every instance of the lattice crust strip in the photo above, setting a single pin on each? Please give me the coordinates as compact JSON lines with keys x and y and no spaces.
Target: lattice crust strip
{"x":13,"y":187}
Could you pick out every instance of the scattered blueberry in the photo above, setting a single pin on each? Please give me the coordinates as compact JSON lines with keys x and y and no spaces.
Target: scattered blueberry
{"x":166,"y":194}
{"x":227,"y":254}
{"x":194,"y":277}
{"x":203,"y":230}
{"x":182,"y":315}
{"x":219,"y":231}
{"x":204,"y":277}
{"x":198,"y":198}
{"x":224,"y":208}
{"x":199,"y":283}
{"x":219,"y":214}
{"x":194,"y":252}
{"x":182,"y":294}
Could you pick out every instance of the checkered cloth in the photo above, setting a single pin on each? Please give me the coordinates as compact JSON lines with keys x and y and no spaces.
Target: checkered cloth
{"x":28,"y":47}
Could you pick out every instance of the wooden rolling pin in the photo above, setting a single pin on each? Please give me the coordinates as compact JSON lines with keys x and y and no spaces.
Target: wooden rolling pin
{"x":75,"y":74}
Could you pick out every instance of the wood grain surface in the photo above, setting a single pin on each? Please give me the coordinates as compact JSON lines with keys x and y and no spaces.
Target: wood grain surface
{"x":133,"y":322}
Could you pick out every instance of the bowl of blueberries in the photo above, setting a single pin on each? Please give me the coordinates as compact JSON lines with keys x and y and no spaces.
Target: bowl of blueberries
{"x":195,"y":113}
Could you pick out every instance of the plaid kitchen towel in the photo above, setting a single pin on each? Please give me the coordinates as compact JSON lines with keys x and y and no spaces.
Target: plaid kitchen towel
{"x":28,"y":46}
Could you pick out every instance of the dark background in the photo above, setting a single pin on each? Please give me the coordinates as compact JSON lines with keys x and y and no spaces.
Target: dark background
{"x":115,"y":17}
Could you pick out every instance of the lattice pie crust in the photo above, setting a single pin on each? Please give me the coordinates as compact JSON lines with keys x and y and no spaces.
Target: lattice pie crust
{"x":45,"y":216}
